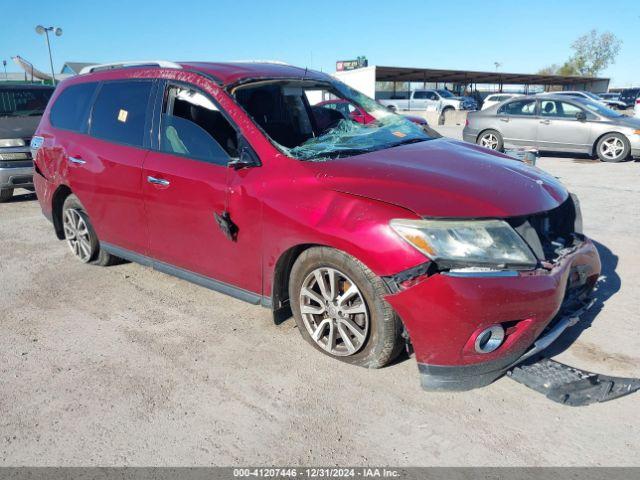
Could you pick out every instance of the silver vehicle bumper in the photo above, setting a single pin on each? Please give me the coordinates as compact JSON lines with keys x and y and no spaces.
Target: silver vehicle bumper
{"x":16,"y":168}
{"x":20,"y":177}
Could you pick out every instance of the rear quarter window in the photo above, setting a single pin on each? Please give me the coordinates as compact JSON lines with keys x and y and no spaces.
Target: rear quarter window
{"x":120,"y":111}
{"x":71,"y":109}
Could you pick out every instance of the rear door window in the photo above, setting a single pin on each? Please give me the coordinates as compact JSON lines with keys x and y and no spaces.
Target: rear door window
{"x":120,"y":112}
{"x":519,"y":107}
{"x":71,"y":109}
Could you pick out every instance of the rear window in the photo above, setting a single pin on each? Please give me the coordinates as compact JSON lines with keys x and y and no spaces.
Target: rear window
{"x":71,"y":109}
{"x":23,"y":102}
{"x":119,"y":113}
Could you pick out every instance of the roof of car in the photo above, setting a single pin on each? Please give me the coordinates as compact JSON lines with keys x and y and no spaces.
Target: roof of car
{"x":233,"y":72}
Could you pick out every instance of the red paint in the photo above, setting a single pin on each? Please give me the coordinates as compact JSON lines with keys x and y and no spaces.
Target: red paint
{"x":443,"y":313}
{"x":345,"y":204}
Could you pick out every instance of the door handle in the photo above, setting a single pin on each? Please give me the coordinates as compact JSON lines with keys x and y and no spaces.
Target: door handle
{"x":76,"y":160}
{"x":545,"y":122}
{"x":158,"y":181}
{"x":504,"y":119}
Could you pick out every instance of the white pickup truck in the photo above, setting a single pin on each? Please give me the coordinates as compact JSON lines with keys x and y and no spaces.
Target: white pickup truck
{"x":431,"y":100}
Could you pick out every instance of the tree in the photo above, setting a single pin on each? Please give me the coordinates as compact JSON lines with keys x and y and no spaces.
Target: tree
{"x":592,"y":54}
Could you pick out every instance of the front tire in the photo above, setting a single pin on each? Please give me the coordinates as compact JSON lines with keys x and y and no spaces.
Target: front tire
{"x":491,"y":139}
{"x":339,"y":308}
{"x":6,"y":194}
{"x":613,"y":147}
{"x":80,"y":235}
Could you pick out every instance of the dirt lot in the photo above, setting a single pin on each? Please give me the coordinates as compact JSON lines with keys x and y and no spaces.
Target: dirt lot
{"x":127,"y":366}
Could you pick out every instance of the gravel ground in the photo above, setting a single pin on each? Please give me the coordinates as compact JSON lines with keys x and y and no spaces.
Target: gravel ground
{"x":127,"y":366}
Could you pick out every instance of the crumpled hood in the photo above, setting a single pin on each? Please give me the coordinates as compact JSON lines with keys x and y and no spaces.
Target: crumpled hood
{"x":445,"y":178}
{"x":18,"y":127}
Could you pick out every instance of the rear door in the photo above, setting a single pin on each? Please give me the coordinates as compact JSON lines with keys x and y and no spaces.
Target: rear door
{"x":187,"y":183}
{"x":560,"y":129}
{"x":518,"y":122}
{"x":104,"y":168}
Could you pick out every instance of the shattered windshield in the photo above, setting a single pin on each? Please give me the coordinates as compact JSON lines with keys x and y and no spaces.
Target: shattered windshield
{"x":312,"y":120}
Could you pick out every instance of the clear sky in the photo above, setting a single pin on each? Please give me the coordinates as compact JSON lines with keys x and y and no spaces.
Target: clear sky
{"x":522,"y":36}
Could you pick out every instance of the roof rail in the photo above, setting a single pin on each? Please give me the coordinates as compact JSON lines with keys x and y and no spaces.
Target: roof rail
{"x":148,"y":63}
{"x":274,"y":62}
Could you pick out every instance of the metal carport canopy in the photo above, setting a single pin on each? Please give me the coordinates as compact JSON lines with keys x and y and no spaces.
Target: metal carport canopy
{"x":402,"y":74}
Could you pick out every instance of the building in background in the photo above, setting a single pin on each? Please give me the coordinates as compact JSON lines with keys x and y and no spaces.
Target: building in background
{"x":381,"y":82}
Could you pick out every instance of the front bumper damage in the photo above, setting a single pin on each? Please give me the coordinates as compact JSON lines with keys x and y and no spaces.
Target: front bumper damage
{"x":445,"y":312}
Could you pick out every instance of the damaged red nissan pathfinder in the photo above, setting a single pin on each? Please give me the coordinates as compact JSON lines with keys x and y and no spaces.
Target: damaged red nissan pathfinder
{"x":374,"y":236}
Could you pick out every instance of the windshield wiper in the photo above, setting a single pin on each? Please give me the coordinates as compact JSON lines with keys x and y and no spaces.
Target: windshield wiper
{"x":408,"y":141}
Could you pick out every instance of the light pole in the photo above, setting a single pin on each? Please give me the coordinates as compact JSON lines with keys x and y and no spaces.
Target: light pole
{"x":4,"y":64}
{"x":58,"y":31}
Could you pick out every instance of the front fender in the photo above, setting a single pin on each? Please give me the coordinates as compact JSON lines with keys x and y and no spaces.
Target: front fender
{"x":358,"y":226}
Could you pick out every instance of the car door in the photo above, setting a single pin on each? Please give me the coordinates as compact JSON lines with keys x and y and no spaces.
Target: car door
{"x":417,"y":100}
{"x":518,"y":122}
{"x":560,"y":128}
{"x":104,"y":169}
{"x":433,"y":103}
{"x":192,"y":194}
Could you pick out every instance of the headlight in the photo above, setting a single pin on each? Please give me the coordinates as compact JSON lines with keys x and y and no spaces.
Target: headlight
{"x":467,"y":243}
{"x":12,"y":142}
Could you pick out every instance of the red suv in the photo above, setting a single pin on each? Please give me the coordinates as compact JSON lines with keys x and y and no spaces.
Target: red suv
{"x":376,"y":237}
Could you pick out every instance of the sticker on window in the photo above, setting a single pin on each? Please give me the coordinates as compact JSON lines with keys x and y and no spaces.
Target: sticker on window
{"x":122,"y":115}
{"x":399,"y":134}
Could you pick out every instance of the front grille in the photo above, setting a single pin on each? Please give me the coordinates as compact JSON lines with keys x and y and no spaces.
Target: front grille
{"x":549,"y":233}
{"x":15,"y":156}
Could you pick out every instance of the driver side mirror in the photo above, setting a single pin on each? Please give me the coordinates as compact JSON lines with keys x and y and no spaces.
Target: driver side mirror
{"x":247,"y":158}
{"x":581,"y":116}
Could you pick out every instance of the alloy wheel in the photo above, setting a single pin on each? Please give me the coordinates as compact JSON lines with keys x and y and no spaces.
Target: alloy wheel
{"x":612,"y":148}
{"x":334,"y":311}
{"x":77,"y":233}
{"x":489,"y":140}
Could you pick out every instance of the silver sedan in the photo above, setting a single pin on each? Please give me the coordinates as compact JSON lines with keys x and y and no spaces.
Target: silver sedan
{"x":556,"y":123}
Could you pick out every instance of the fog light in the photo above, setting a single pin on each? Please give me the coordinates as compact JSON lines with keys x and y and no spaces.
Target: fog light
{"x":489,"y":339}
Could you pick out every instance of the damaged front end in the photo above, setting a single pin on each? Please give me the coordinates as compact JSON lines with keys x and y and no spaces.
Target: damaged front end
{"x":468,"y":325}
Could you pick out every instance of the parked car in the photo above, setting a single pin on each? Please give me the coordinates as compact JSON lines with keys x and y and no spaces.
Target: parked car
{"x":556,"y":123}
{"x":373,"y":236}
{"x":613,"y":100}
{"x":628,"y":96}
{"x":589,"y":96}
{"x":358,"y":114}
{"x":497,"y":98}
{"x":431,"y":100}
{"x":21,"y":106}
{"x":636,"y":108}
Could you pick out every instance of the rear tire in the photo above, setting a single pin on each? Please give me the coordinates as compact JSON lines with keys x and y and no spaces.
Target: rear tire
{"x":6,"y":194}
{"x":491,"y":139}
{"x":613,"y":147}
{"x":373,"y":331}
{"x":81,"y":236}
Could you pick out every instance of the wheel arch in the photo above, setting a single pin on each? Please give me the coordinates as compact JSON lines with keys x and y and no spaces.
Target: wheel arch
{"x":281,"y":276}
{"x":57,"y":201}
{"x":486,"y":130}
{"x":601,"y":136}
